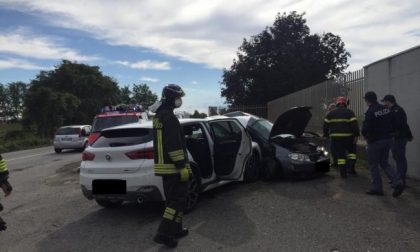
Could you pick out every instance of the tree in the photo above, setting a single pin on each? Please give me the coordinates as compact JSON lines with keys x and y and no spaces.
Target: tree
{"x":198,"y":115}
{"x":142,"y":95}
{"x":282,"y":59}
{"x":16,"y":92}
{"x":125,"y":95}
{"x":73,"y":94}
{"x":4,"y":101}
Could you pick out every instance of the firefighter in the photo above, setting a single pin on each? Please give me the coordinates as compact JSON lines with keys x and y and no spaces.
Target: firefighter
{"x":5,"y":186}
{"x":402,"y":135}
{"x":171,"y":163}
{"x":341,"y":126}
{"x":378,"y":129}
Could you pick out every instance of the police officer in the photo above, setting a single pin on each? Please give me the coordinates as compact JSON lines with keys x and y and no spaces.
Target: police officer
{"x":5,"y":186}
{"x":341,"y":126}
{"x":402,"y":135}
{"x":378,"y":130}
{"x":171,"y":162}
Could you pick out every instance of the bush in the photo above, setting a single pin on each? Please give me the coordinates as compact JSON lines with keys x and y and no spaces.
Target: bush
{"x":13,"y":138}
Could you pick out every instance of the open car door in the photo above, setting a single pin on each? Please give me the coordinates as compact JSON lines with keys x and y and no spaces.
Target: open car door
{"x":232,"y":148}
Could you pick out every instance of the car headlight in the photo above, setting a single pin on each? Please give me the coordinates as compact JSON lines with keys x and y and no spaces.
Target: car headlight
{"x":299,"y":157}
{"x":320,"y":148}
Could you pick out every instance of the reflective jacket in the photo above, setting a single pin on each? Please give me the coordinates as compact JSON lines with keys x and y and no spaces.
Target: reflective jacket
{"x":378,"y":123}
{"x":168,"y":143}
{"x":4,"y":172}
{"x":341,"y":122}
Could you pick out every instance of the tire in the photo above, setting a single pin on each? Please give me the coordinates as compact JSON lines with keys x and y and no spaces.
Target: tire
{"x":194,"y":190}
{"x":57,"y":150}
{"x":84,"y":147}
{"x":109,"y":203}
{"x":252,"y":169}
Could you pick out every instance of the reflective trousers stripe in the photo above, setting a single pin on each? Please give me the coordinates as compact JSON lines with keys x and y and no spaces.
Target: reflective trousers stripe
{"x":341,"y":161}
{"x":341,"y":134}
{"x":3,"y":166}
{"x":352,"y":156}
{"x":173,"y":215}
{"x":353,"y":119}
{"x":162,"y":169}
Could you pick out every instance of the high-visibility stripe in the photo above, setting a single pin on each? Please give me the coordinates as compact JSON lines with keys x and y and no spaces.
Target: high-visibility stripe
{"x":326,"y":120}
{"x":178,"y":219}
{"x":178,"y":158}
{"x":341,"y":134}
{"x":352,"y":156}
{"x":341,"y":161}
{"x":160,"y":146}
{"x":168,"y":216}
{"x":3,"y":166}
{"x":170,"y":210}
{"x":176,"y":153}
{"x":353,"y":119}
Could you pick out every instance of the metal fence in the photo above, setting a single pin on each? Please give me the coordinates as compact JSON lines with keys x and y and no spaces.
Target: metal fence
{"x":321,"y":95}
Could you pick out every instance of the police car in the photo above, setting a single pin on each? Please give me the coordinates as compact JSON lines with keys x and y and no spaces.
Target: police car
{"x":119,"y":165}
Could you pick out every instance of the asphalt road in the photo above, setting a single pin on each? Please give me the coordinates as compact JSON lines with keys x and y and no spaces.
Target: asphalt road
{"x":47,"y":212}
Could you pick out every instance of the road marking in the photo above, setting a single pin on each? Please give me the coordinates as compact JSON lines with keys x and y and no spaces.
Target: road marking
{"x":40,"y":154}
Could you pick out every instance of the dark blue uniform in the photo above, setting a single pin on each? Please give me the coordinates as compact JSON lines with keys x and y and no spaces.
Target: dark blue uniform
{"x":378,"y":129}
{"x":402,"y":135}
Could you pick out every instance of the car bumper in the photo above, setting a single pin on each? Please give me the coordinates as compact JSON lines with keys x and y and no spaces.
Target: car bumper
{"x":296,"y":167}
{"x":143,"y":186}
{"x":69,"y":145}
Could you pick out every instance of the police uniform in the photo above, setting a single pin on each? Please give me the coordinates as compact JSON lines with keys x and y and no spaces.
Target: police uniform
{"x":401,"y":136}
{"x":378,"y":129}
{"x":171,"y":163}
{"x":4,"y":175}
{"x":341,"y":126}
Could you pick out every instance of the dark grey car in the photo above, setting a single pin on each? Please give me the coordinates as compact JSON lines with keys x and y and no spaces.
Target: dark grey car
{"x":286,"y":149}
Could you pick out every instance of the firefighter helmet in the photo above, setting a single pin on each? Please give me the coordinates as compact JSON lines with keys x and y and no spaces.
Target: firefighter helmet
{"x":172,"y":91}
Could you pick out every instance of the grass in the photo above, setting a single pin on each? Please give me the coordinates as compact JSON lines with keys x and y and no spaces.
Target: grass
{"x":13,"y":138}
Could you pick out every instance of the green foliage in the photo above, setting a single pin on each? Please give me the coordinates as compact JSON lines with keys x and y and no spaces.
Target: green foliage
{"x":142,"y":95}
{"x":11,"y":100}
{"x":282,"y":59}
{"x":71,"y":93}
{"x":13,"y":137}
{"x":198,"y":114}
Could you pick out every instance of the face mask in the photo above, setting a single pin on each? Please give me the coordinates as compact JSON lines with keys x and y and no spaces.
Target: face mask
{"x":178,"y":102}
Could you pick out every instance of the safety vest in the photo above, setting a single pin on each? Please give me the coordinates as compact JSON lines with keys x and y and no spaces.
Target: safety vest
{"x":169,"y":144}
{"x":341,"y":122}
{"x":3,"y":166}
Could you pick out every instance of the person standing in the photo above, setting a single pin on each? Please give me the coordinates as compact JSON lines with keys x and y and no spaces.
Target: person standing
{"x":378,"y":129}
{"x":171,"y":163}
{"x":330,"y":108}
{"x":341,"y":126}
{"x":5,"y":186}
{"x":402,"y":135}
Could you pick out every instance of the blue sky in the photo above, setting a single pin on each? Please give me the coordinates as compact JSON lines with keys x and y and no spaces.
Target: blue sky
{"x":186,"y":41}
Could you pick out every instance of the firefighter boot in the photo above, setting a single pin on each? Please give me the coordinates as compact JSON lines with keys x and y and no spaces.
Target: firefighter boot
{"x":168,"y":241}
{"x":184,"y":232}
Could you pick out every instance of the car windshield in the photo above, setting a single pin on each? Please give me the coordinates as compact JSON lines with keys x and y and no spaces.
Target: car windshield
{"x":263,"y":127}
{"x":101,"y":123}
{"x":68,"y":131}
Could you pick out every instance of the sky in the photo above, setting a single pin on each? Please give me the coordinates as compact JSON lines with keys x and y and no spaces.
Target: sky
{"x":187,"y":42}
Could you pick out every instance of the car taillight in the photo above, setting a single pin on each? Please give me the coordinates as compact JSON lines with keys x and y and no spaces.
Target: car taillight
{"x":141,"y":154}
{"x":88,"y":156}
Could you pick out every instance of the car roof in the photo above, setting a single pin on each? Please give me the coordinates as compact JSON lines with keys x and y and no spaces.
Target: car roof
{"x":149,"y":124}
{"x":115,"y":114}
{"x":74,"y":126}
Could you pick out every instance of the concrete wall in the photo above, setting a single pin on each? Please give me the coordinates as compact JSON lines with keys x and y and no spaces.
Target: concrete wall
{"x":400,"y":75}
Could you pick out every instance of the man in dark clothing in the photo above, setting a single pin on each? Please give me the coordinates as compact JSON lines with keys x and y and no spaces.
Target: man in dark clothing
{"x":171,"y":162}
{"x":5,"y":186}
{"x":378,"y":130}
{"x":402,"y":135}
{"x":341,"y":126}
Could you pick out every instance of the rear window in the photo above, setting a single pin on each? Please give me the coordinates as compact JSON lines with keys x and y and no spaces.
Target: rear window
{"x":68,"y":131}
{"x":124,"y":137}
{"x":101,"y":123}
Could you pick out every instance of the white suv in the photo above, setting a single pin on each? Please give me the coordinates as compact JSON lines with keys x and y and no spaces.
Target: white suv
{"x":119,"y":165}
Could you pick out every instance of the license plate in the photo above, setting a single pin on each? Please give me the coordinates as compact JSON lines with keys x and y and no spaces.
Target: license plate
{"x":66,"y":139}
{"x":109,"y":186}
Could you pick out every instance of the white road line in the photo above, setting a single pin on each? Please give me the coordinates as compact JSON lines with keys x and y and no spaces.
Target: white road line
{"x":40,"y":154}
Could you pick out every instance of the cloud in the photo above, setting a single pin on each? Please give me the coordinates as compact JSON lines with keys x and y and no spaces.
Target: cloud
{"x":24,"y":44}
{"x":210,"y":32}
{"x":18,"y":64}
{"x":147,"y":65}
{"x":149,"y":79}
{"x":194,"y":82}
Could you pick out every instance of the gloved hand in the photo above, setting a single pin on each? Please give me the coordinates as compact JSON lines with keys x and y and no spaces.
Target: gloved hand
{"x":3,"y":225}
{"x":7,"y":188}
{"x":184,"y":174}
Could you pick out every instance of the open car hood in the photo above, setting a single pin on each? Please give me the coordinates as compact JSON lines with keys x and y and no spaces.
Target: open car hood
{"x":293,"y":121}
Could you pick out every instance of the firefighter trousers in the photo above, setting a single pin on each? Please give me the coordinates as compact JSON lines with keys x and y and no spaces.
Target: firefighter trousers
{"x":345,"y":150}
{"x":176,"y":199}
